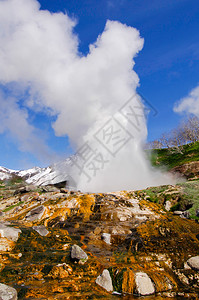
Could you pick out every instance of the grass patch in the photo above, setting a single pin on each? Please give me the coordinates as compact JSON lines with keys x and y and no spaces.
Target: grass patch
{"x":14,"y":180}
{"x":191,"y":193}
{"x":185,"y":198}
{"x":174,"y":157}
{"x":12,"y":206}
{"x":154,"y":194}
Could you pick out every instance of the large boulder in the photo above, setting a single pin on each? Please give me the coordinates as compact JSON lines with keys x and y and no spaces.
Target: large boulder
{"x":7,"y":292}
{"x":193,"y":262}
{"x":10,"y":233}
{"x":144,"y":285}
{"x":50,"y":189}
{"x":105,"y":281}
{"x":35,"y":214}
{"x":25,"y":189}
{"x":77,"y":254}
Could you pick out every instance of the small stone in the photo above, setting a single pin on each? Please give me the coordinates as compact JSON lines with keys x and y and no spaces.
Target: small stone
{"x":185,"y":214}
{"x":7,"y":292}
{"x":193,"y":262}
{"x":77,"y":254}
{"x":41,"y":230}
{"x":178,"y":212}
{"x":106,"y":237}
{"x":123,"y":219}
{"x":144,"y":285}
{"x":65,"y":246}
{"x":168,"y":205}
{"x":186,"y":266}
{"x":116,"y":293}
{"x":97,"y":230}
{"x":105,"y":281}
{"x":180,"y":294}
{"x":63,"y":190}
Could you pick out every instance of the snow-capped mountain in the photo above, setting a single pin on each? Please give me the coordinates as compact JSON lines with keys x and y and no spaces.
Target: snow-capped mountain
{"x":6,"y":173}
{"x":55,"y":173}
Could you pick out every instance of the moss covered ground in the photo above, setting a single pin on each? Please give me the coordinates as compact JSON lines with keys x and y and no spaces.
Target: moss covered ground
{"x":174,"y":156}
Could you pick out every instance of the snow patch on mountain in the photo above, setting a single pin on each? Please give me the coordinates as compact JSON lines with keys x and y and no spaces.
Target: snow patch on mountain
{"x":53,"y":174}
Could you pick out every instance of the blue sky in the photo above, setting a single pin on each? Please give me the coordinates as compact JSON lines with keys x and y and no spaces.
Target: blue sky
{"x":168,"y":64}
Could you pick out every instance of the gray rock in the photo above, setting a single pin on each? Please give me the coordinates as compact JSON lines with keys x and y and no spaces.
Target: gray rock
{"x":64,"y":190}
{"x":168,"y":205}
{"x":7,"y":292}
{"x":144,"y":285}
{"x":178,"y":212}
{"x":78,"y":254}
{"x":10,"y":233}
{"x":186,"y":266}
{"x":50,"y":189}
{"x":185,"y":214}
{"x":193,"y":262}
{"x":36,"y":213}
{"x":197,"y":212}
{"x":105,"y":281}
{"x":25,"y":189}
{"x":41,"y":230}
{"x":106,"y":237}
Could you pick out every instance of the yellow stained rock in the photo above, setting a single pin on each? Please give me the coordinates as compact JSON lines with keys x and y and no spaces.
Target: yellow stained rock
{"x":128,"y":282}
{"x":60,"y":271}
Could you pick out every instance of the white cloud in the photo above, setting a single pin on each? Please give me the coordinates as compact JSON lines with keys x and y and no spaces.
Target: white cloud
{"x":189,"y":104}
{"x":14,"y":122}
{"x":40,"y":49}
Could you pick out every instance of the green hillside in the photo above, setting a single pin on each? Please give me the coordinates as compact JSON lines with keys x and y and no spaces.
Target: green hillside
{"x":175,"y":156}
{"x":183,"y":196}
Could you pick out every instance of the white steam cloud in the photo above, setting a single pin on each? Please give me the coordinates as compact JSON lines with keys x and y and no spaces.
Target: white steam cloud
{"x":189,"y":104}
{"x":14,"y":122}
{"x":39,"y":52}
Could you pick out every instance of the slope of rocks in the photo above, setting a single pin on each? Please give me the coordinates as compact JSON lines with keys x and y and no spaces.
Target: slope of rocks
{"x":60,"y":244}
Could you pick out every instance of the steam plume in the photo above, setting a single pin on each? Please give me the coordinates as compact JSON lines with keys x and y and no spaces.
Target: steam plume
{"x":39,"y":52}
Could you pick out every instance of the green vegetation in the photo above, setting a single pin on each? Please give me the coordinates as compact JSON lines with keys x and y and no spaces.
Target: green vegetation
{"x":172,"y":157}
{"x":12,"y":206}
{"x":2,"y":185}
{"x":185,"y":196}
{"x":15,"y":180}
{"x":191,"y":193}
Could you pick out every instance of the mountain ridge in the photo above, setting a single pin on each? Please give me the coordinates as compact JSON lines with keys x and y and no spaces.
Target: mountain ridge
{"x":39,"y":176}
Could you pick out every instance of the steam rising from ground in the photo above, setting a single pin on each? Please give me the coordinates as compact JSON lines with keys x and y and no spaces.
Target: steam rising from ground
{"x":39,"y":54}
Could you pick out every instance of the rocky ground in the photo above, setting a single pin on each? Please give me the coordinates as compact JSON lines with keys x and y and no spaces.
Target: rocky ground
{"x":60,"y":244}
